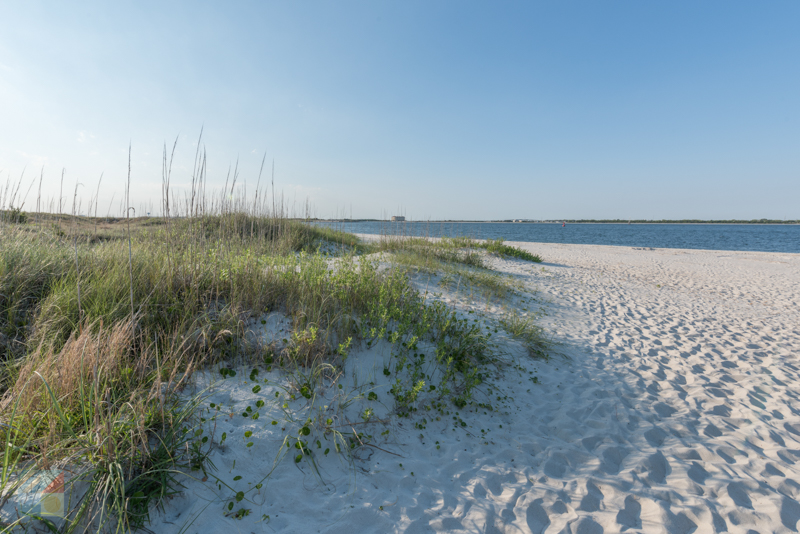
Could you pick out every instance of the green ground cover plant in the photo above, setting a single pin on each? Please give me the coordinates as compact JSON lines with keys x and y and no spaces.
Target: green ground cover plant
{"x":523,"y":327}
{"x":497,"y":246}
{"x":103,"y":321}
{"x":459,"y":262}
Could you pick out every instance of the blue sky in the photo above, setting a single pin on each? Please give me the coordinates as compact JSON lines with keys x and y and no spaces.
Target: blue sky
{"x":479,"y":110}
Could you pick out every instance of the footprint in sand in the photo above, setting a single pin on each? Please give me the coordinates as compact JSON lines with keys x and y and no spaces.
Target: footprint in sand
{"x":658,"y":468}
{"x":591,"y":501}
{"x":536,"y":517}
{"x":587,"y":525}
{"x":712,"y":431}
{"x":721,"y":410}
{"x":612,"y":459}
{"x":698,"y":473}
{"x":655,"y":436}
{"x":629,"y":517}
{"x":776,"y":438}
{"x":772,"y":471}
{"x":555,"y":467}
{"x":663,"y":410}
{"x":790,"y":513}
{"x":739,"y":494}
{"x":792,"y":429}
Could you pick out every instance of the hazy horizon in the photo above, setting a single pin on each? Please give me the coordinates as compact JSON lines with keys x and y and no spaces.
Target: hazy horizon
{"x":437,"y":111}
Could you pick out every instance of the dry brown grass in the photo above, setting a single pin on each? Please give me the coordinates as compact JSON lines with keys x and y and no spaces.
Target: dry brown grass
{"x":99,"y":359}
{"x":85,"y":358}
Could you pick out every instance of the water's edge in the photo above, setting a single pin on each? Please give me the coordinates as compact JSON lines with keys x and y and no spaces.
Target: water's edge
{"x":724,"y":237}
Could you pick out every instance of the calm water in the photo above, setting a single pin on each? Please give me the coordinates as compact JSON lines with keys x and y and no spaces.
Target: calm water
{"x":755,"y":237}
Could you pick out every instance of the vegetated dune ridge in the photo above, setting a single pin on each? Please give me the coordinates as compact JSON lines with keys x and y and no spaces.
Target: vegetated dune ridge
{"x":672,"y":409}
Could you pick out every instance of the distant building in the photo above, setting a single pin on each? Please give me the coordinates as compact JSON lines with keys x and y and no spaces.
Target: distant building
{"x":398,"y":218}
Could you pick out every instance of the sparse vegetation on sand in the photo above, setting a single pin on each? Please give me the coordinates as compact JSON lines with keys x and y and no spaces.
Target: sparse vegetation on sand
{"x":103,"y":321}
{"x":523,"y":327}
{"x":454,"y":249}
{"x":497,"y":246}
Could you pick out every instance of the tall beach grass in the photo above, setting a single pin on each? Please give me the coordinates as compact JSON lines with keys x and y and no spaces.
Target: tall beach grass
{"x":103,"y":321}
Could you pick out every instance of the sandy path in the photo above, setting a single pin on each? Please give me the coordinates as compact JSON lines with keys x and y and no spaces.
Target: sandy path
{"x":682,"y":414}
{"x":674,"y":411}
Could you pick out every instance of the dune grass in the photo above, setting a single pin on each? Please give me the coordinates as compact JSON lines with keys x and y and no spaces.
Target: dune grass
{"x":462,"y":268}
{"x":91,"y":383}
{"x":103,"y":325}
{"x":460,"y":262}
{"x":498,"y":246}
{"x":524,"y":329}
{"x":103,"y":321}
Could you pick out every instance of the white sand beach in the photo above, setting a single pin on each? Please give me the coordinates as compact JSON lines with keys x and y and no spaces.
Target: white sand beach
{"x":669,"y":405}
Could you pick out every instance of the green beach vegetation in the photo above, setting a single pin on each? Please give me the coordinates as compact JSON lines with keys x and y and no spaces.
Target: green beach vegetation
{"x":104,"y":320}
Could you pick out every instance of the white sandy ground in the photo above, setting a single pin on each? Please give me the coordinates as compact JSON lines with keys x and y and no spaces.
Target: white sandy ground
{"x":674,"y":408}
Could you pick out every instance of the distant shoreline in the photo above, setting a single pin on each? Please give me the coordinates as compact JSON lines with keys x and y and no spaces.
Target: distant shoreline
{"x":567,"y":221}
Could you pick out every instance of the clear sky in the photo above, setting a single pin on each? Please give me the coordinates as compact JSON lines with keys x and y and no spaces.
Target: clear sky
{"x":433,"y":109}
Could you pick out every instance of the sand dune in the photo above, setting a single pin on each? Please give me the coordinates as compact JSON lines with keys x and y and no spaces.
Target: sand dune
{"x":672,"y":409}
